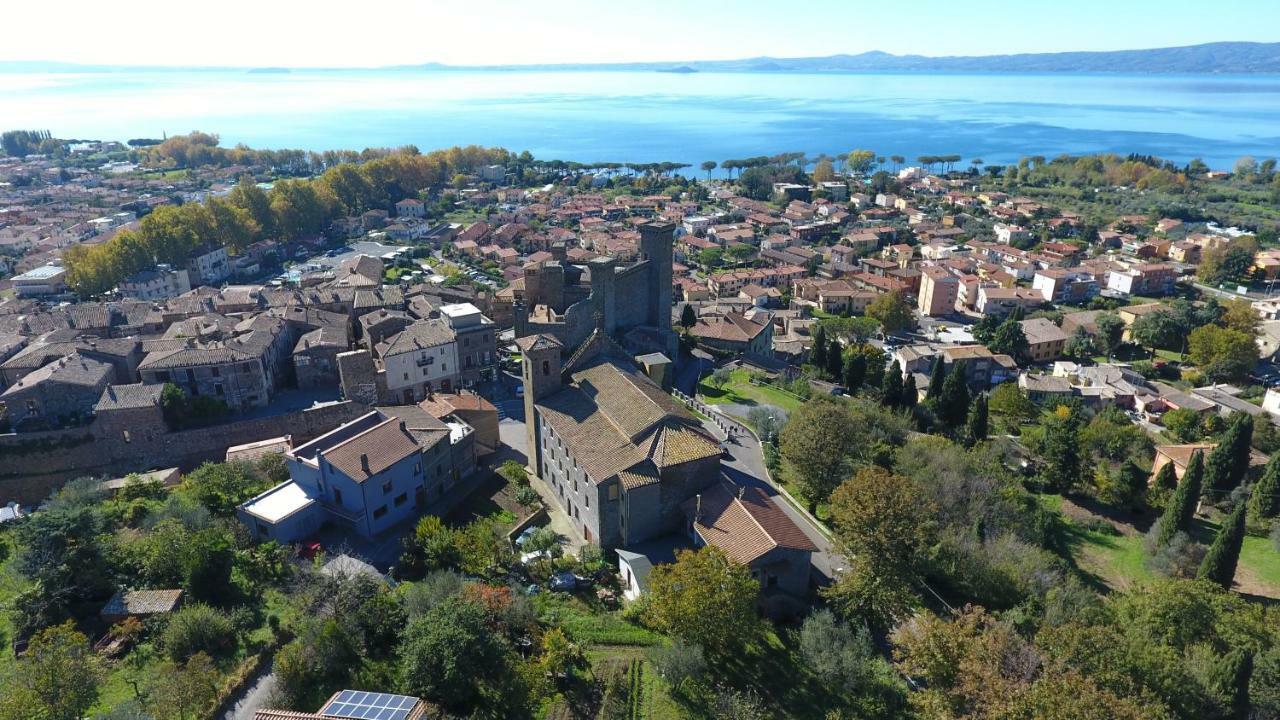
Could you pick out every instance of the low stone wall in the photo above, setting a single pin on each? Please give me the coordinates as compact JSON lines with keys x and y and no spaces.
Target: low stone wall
{"x":33,"y":465}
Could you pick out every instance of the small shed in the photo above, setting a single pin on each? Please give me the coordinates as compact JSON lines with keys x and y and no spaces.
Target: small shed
{"x":140,"y":604}
{"x":634,"y":569}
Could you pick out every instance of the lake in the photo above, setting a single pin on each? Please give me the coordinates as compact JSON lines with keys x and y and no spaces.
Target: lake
{"x":649,"y":116}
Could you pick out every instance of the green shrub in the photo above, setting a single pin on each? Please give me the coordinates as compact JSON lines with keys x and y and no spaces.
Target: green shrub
{"x":198,"y":628}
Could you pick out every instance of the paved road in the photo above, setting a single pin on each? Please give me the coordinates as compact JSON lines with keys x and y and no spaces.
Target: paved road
{"x":253,"y":699}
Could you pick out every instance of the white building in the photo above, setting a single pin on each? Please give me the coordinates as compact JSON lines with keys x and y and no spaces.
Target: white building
{"x":41,"y":281}
{"x":160,"y":284}
{"x":419,"y":360}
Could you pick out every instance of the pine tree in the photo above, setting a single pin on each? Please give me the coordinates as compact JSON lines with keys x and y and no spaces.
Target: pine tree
{"x":977,"y":425}
{"x":1241,"y":449}
{"x":936,"y":379}
{"x":818,"y":355}
{"x":1230,"y":680}
{"x":1182,"y":506}
{"x":855,"y":370}
{"x":1264,"y":503}
{"x":910,"y":393}
{"x":1166,"y":477}
{"x":1219,"y":564}
{"x":953,"y":406}
{"x":891,"y":389}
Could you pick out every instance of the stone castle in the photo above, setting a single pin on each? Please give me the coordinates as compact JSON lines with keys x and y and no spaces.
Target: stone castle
{"x":632,"y":303}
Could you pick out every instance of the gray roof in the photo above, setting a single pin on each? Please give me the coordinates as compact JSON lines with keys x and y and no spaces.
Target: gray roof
{"x":124,"y":397}
{"x":422,"y":334}
{"x":74,"y":369}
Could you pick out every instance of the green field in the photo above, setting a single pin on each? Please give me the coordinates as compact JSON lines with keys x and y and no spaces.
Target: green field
{"x":740,"y":391}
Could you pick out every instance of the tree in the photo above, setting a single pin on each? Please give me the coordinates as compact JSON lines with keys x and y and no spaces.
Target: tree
{"x":835,"y":361}
{"x":59,"y":675}
{"x":1079,"y":345}
{"x":1157,"y":330}
{"x":839,"y":654}
{"x":1166,"y":477}
{"x":860,"y":162}
{"x":1228,"y":462}
{"x":1239,"y":315}
{"x":824,"y":172}
{"x":688,"y":317}
{"x":1009,"y":339}
{"x":703,"y":598}
{"x":892,"y":311}
{"x":953,"y":405}
{"x":1219,"y":564}
{"x":560,"y":656}
{"x":937,"y":379}
{"x":816,"y":445}
{"x":854,"y":371}
{"x":892,"y":389}
{"x":1110,"y":332}
{"x":1224,"y":355}
{"x":1008,"y":400}
{"x":976,"y":428}
{"x":1264,"y":502}
{"x":884,"y":518}
{"x":450,"y":656}
{"x":1182,"y":423}
{"x":1061,"y":450}
{"x":185,"y":691}
{"x":197,"y":628}
{"x":818,"y":355}
{"x":707,"y":166}
{"x":1181,"y":509}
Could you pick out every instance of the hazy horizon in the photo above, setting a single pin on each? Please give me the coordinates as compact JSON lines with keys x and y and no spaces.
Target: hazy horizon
{"x":244,"y":34}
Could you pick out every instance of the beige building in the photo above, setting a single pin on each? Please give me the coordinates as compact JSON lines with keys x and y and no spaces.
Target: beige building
{"x":1045,"y":340}
{"x":939,"y":291}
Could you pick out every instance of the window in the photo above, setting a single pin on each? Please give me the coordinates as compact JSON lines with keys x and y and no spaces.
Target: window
{"x":613,"y":492}
{"x":401,"y":499}
{"x":216,"y":372}
{"x":126,"y":436}
{"x":587,"y":500}
{"x":337,"y":496}
{"x":386,"y":487}
{"x":162,"y":376}
{"x":546,"y":367}
{"x":417,"y":468}
{"x":380,"y":512}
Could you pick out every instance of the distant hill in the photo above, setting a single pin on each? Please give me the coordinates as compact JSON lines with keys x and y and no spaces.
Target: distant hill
{"x":1211,"y":58}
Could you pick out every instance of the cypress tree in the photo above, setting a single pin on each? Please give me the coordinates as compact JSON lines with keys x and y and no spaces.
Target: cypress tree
{"x":1242,"y":448}
{"x":910,"y":393}
{"x":1219,"y":564}
{"x":954,"y":404}
{"x":1182,"y":506}
{"x":818,"y":355}
{"x":855,"y":371}
{"x":1166,"y":477}
{"x":977,"y":426}
{"x":1264,"y":503}
{"x":835,"y":360}
{"x":891,"y":389}
{"x":936,"y":379}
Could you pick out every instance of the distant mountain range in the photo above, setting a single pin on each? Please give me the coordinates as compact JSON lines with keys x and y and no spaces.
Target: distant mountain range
{"x":1210,"y":58}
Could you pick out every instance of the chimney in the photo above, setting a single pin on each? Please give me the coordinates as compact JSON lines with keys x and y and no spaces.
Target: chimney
{"x":742,"y":491}
{"x":364,"y":463}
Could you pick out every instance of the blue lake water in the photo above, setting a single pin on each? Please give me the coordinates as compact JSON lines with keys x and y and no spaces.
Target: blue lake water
{"x":648,"y":117}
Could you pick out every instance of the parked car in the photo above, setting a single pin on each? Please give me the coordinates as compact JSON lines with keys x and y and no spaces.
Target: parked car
{"x":563,"y":582}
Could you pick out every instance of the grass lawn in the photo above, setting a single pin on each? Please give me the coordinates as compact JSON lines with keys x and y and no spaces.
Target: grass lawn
{"x":740,"y":391}
{"x":1119,"y":561}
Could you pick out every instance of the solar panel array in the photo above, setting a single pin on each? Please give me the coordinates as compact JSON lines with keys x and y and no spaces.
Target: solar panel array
{"x":360,"y":705}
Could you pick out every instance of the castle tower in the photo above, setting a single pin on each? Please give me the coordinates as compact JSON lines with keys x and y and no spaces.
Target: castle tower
{"x":603,"y":292}
{"x":541,"y":374}
{"x":656,"y":245}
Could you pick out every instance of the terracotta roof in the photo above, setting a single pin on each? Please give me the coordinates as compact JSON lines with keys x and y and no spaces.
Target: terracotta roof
{"x":375,"y":449}
{"x":142,"y":602}
{"x":537,"y":342}
{"x":135,"y":395}
{"x":744,"y":522}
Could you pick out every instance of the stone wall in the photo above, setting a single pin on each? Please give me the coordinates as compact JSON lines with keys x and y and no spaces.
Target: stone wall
{"x":33,"y":465}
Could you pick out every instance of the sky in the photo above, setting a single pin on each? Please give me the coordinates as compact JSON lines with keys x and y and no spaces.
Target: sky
{"x":370,"y":33}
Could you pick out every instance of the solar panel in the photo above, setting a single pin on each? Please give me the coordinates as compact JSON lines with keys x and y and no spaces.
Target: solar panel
{"x":360,"y":705}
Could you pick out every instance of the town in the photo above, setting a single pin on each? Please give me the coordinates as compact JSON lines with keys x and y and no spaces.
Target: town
{"x":469,"y":433}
